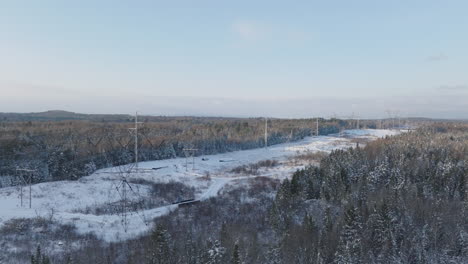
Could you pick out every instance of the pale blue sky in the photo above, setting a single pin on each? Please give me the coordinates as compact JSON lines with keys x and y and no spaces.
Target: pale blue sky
{"x":64,"y":54}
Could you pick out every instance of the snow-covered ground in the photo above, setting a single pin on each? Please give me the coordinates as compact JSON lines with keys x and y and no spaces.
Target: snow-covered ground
{"x":62,"y":201}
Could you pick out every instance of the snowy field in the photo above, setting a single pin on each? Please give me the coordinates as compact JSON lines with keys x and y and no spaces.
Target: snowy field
{"x":66,"y":201}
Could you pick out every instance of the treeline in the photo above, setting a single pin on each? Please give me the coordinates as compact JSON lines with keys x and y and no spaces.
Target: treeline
{"x":75,"y":148}
{"x":397,"y":200}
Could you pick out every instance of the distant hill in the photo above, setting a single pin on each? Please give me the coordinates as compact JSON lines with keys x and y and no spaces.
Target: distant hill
{"x":60,"y":115}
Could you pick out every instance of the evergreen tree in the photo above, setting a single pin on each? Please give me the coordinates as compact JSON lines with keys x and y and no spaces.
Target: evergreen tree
{"x":273,"y":256}
{"x":349,"y":249}
{"x":68,"y":260}
{"x":236,"y":255}
{"x":224,"y":235}
{"x":215,"y":252}
{"x":284,"y":195}
{"x":461,"y":244}
{"x":39,"y":257}
{"x":462,"y":187}
{"x":328,"y":221}
{"x":160,"y":251}
{"x":295,"y":185}
{"x":190,"y":252}
{"x":379,"y":174}
{"x":309,"y":224}
{"x":375,"y":232}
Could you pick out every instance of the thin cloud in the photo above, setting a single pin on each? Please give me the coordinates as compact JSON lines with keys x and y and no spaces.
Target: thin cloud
{"x":453,"y":88}
{"x":18,"y":89}
{"x":250,"y":30}
{"x":437,"y":57}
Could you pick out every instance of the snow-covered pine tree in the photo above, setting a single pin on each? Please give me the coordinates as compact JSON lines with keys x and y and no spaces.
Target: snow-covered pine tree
{"x":284,"y":195}
{"x":215,"y":252}
{"x":375,"y":232}
{"x":160,"y":250}
{"x":461,"y":243}
{"x":349,"y":248}
{"x":236,"y":255}
{"x":327,"y":220}
{"x":273,"y":256}
{"x":309,"y":224}
{"x":379,"y":175}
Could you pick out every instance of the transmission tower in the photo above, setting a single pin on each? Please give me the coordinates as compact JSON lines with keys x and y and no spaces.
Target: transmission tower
{"x":356,"y":118}
{"x":192,"y":150}
{"x":123,"y":188}
{"x":392,"y":120}
{"x":266,"y":132}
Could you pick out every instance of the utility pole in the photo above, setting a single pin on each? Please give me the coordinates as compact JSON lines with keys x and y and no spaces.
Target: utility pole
{"x":29,"y":182}
{"x":316,"y":127}
{"x":136,"y":141}
{"x":397,"y":115}
{"x":135,"y":129}
{"x":266,"y":132}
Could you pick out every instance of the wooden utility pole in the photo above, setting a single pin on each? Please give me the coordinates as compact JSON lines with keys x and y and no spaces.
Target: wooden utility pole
{"x":316,"y":127}
{"x":27,"y":181}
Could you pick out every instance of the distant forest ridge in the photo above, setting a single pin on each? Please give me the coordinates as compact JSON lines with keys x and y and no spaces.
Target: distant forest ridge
{"x":61,"y":115}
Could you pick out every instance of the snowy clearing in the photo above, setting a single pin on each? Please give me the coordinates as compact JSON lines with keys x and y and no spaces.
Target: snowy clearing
{"x":62,"y":201}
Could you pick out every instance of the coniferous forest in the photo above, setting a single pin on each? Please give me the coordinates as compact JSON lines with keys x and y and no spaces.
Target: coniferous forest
{"x":68,"y":149}
{"x":400,"y":199}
